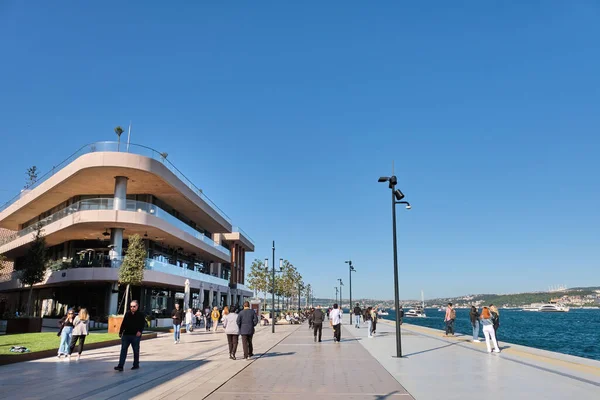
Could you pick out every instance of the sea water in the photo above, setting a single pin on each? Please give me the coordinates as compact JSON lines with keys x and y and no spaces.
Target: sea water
{"x":576,"y":332}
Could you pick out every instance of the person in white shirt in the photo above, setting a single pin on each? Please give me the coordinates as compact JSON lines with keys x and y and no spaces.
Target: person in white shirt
{"x":335,"y":319}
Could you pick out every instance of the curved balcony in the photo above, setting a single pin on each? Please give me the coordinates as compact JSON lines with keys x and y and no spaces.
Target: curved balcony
{"x":107,"y":204}
{"x":123,"y":148}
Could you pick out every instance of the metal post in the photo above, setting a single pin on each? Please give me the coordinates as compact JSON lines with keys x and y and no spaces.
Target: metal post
{"x":336,"y":294}
{"x":396,"y":290}
{"x":273,"y":293}
{"x":350,"y":273}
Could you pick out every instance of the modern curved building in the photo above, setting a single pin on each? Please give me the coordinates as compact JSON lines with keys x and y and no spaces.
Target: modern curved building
{"x":88,"y":207}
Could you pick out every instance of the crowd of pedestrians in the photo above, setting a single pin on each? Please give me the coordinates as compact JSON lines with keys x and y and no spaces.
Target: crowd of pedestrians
{"x":488,"y":319}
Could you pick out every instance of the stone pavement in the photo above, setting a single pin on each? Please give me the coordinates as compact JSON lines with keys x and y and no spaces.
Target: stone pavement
{"x":298,"y":368}
{"x":194,"y":368}
{"x":436,"y":367}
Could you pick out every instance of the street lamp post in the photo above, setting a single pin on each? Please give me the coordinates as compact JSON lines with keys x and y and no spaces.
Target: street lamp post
{"x":351,"y":270}
{"x":341,"y":284}
{"x":397,"y":195}
{"x":336,"y":293}
{"x":273,"y":286}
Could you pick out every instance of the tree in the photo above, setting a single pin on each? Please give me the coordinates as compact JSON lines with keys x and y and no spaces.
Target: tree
{"x":307,"y":293}
{"x":132,"y":269}
{"x":258,"y":278}
{"x":32,"y":175}
{"x":119,"y":131}
{"x":288,"y":280}
{"x":35,"y":264}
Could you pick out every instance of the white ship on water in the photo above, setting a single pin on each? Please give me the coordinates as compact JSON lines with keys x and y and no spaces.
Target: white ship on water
{"x":418,"y":311}
{"x":550,"y":307}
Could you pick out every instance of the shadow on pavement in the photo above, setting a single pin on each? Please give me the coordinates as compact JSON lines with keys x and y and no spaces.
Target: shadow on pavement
{"x":385,"y":396}
{"x":277,"y":354}
{"x":428,"y":350}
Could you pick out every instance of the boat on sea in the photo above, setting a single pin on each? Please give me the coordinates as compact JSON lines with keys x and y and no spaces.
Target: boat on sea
{"x":550,"y":307}
{"x":418,"y":311}
{"x":382,"y":312}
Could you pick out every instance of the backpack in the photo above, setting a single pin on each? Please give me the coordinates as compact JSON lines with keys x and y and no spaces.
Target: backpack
{"x":453,"y":314}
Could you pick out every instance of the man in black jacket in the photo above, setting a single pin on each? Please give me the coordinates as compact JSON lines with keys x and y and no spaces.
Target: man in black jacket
{"x":317,"y":319}
{"x":357,"y":314}
{"x":246,"y":321}
{"x":131,"y":333}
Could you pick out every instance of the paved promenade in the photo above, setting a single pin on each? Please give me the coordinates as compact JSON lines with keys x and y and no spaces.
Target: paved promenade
{"x":289,"y":365}
{"x":436,"y":367}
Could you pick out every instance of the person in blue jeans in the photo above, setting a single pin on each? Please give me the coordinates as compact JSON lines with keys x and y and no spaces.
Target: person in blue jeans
{"x":357,"y":314}
{"x":177,"y":316}
{"x":131,"y":333}
{"x":65,"y":333}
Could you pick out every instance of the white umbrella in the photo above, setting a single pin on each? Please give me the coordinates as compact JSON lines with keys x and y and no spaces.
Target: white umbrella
{"x":186,"y":295}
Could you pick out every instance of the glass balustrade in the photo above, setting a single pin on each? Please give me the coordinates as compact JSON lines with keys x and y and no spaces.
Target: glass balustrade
{"x":155,"y":265}
{"x":123,"y":148}
{"x":107,"y":204}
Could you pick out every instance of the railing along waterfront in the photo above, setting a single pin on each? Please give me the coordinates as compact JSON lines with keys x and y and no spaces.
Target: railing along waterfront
{"x":107,"y":204}
{"x":155,"y":265}
{"x":123,"y":148}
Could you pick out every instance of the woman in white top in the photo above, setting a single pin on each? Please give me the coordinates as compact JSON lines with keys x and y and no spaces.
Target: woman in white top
{"x":488,"y":330}
{"x":232,"y":330}
{"x":188,"y":320}
{"x":80,"y":331}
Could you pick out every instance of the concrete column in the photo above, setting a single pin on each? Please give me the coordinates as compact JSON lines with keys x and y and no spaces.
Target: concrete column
{"x":243,"y":266}
{"x":218,"y":297}
{"x":219,"y":270}
{"x":120,"y":200}
{"x":233,"y":265}
{"x":229,"y":298}
{"x":119,"y":203}
{"x":113,"y":299}
{"x":201,"y":296}
{"x":211,"y":300}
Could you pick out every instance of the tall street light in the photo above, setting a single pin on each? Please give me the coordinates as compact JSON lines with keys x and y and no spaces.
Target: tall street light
{"x":341,"y":284}
{"x":351,"y":269}
{"x":273,"y":318}
{"x":336,"y":293}
{"x":397,"y":195}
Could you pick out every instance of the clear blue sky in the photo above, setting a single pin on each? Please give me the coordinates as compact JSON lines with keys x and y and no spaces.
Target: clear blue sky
{"x":286,"y":115}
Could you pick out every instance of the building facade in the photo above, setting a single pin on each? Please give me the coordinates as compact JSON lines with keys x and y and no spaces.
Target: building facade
{"x":90,"y":205}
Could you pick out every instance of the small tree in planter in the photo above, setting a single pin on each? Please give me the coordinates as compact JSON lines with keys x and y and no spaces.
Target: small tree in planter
{"x":32,"y":175}
{"x":35,"y":264}
{"x":132,"y":269}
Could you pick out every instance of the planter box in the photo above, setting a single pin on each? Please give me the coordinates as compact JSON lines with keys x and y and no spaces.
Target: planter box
{"x":114,"y":324}
{"x":23,"y":325}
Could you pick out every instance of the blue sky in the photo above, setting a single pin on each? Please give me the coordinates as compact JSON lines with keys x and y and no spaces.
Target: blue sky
{"x":286,"y":115}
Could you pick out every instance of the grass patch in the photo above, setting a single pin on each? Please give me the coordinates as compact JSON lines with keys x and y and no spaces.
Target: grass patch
{"x":158,"y":329}
{"x":44,"y":341}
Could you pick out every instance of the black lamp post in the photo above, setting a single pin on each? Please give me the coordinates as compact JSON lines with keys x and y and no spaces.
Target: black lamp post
{"x":273,"y":318}
{"x":397,"y":195}
{"x":341,"y":284}
{"x":351,"y":270}
{"x":336,"y":293}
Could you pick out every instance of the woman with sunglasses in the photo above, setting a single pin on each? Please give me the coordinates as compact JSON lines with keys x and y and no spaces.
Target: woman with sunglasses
{"x":80,"y":331}
{"x":65,"y":333}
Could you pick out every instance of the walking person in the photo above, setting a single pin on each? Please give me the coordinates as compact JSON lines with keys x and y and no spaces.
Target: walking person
{"x":80,"y":331}
{"x":177,"y":316}
{"x":488,"y":330}
{"x":449,"y":319}
{"x":214,"y":316}
{"x":199,"y":317}
{"x":131,"y":333}
{"x":310,"y":319}
{"x":474,"y":316}
{"x":316,"y":319}
{"x":401,"y":314}
{"x":246,"y":321}
{"x":189,"y":317}
{"x":495,"y":319}
{"x":207,"y":319}
{"x":369,"y":321}
{"x":357,"y":313}
{"x":374,"y":317}
{"x":335,"y":318}
{"x":65,"y":332}
{"x":232,"y":330}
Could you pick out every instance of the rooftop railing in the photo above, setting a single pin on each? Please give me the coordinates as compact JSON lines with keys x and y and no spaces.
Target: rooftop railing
{"x":123,"y":148}
{"x":107,"y":204}
{"x":240,"y":230}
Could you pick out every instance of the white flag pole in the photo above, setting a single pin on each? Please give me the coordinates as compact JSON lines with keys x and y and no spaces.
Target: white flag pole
{"x":128,"y":136}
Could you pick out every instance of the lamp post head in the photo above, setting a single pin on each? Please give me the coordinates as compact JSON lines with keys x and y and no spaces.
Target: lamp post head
{"x":399,"y":195}
{"x":383,"y":179}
